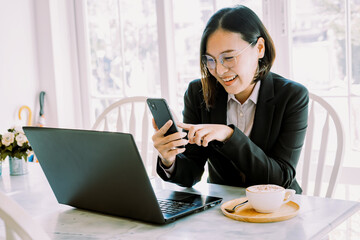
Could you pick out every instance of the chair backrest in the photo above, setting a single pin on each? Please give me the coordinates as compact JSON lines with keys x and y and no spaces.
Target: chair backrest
{"x":131,"y":115}
{"x":322,"y":160}
{"x":18,"y":223}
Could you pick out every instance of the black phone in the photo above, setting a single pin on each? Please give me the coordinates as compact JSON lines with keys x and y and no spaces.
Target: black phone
{"x":161,"y":113}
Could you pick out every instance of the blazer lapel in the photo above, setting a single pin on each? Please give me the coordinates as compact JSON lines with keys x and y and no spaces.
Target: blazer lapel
{"x":264,"y":112}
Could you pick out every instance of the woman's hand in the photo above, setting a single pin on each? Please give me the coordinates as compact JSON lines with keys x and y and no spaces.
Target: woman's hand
{"x":168,"y":146}
{"x":202,"y":134}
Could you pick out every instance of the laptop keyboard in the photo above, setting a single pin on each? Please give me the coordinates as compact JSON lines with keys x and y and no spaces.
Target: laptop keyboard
{"x":171,"y":207}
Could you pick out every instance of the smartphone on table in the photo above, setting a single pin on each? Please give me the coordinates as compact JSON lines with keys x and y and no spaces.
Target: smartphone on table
{"x":161,"y":113}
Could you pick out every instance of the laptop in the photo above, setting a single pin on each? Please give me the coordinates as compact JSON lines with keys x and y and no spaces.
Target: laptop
{"x":103,"y":172}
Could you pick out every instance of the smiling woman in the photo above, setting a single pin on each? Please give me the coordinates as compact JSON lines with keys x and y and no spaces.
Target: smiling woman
{"x":240,"y":79}
{"x":246,"y":122}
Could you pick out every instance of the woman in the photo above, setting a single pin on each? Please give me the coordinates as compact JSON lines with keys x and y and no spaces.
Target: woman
{"x":248,"y":123}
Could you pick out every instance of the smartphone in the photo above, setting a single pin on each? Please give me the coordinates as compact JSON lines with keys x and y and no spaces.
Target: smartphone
{"x":161,"y":113}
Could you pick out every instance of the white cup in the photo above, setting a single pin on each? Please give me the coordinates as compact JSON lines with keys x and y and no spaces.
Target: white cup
{"x":268,"y":198}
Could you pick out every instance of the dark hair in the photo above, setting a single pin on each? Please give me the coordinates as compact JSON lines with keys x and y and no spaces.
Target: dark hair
{"x":244,"y":21}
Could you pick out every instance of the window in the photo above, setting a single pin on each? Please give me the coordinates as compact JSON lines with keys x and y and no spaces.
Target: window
{"x":325,"y":59}
{"x":124,"y":51}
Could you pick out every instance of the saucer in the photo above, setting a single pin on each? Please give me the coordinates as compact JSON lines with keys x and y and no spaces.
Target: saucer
{"x":246,"y":213}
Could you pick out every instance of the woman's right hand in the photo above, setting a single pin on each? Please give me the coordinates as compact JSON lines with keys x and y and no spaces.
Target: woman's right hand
{"x":168,"y":146}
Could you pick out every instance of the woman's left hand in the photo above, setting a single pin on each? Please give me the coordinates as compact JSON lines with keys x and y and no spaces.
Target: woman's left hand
{"x":202,"y":134}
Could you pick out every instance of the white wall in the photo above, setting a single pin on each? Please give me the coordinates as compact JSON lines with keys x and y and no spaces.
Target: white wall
{"x":58,"y":63}
{"x":38,"y":52}
{"x":19,"y":79}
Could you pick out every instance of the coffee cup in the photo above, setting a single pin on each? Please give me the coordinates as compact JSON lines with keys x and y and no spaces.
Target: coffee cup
{"x":268,"y":198}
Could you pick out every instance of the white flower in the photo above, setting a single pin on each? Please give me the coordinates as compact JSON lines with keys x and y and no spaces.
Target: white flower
{"x":21,"y":139}
{"x":8,"y":138}
{"x":19,"y":129}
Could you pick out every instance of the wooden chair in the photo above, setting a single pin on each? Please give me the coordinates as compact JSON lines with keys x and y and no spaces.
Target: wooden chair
{"x":323,"y":125}
{"x":131,"y":115}
{"x":18,"y":223}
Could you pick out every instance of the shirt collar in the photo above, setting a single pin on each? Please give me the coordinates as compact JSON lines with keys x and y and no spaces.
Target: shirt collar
{"x":253,"y":96}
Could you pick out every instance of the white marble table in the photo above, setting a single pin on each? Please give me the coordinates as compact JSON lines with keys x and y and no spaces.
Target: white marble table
{"x":316,"y":218}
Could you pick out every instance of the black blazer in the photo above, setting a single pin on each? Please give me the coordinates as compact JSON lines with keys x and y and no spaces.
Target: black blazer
{"x":269,"y":155}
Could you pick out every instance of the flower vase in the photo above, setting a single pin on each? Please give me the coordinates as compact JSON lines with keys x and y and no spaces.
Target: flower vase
{"x":17,"y":166}
{"x":1,"y":167}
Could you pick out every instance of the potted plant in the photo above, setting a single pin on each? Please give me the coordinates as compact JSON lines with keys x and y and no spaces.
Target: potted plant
{"x":15,"y":145}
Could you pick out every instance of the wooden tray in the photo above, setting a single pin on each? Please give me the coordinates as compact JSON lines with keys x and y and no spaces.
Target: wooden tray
{"x":246,"y":213}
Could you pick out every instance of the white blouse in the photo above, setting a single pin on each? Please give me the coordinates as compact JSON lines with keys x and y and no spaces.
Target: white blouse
{"x":242,"y":115}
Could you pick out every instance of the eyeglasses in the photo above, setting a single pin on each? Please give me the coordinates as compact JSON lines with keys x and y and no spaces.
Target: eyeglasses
{"x":227,"y":59}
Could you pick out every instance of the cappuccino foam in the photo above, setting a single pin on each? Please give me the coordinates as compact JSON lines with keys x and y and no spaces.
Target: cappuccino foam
{"x":265,"y":188}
